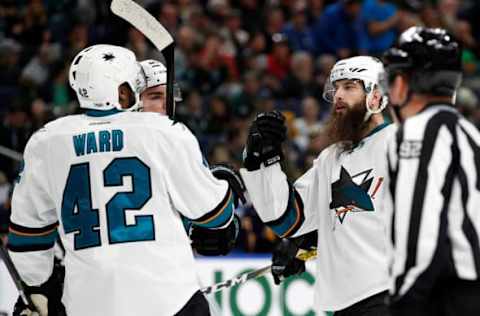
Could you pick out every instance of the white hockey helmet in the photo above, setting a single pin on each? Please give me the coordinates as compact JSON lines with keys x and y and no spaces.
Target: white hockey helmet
{"x":367,"y":69}
{"x":97,"y":72}
{"x":156,"y":75}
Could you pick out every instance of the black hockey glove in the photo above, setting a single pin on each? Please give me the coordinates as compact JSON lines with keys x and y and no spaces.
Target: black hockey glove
{"x":264,"y":143}
{"x":284,"y":260}
{"x":227,"y":172}
{"x":38,"y":296}
{"x":215,"y":242}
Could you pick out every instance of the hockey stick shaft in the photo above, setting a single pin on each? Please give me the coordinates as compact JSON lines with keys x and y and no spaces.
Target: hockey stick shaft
{"x":143,"y":21}
{"x":302,"y":255}
{"x":15,"y":277}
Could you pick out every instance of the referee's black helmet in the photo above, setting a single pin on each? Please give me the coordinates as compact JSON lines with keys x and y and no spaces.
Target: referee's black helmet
{"x":431,"y":58}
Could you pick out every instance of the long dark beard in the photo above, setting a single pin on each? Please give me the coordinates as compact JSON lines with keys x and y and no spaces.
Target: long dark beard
{"x":346,"y":128}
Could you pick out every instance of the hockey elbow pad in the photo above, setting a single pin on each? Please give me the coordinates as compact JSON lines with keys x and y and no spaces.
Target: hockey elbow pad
{"x":215,"y":242}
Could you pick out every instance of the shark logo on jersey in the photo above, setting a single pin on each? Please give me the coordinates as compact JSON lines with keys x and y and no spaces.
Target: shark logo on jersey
{"x":349,"y":195}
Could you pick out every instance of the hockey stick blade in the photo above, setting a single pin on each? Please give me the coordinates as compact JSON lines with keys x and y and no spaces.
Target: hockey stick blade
{"x":16,"y":277}
{"x":137,"y":16}
{"x":302,"y":255}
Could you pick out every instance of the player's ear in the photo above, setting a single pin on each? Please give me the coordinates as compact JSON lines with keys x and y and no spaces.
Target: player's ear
{"x":126,"y":98}
{"x":376,"y":99}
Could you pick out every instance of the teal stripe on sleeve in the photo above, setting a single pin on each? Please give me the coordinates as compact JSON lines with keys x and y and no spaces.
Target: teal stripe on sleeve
{"x":16,"y":240}
{"x":287,"y":222}
{"x":293,"y":217}
{"x":219,"y":219}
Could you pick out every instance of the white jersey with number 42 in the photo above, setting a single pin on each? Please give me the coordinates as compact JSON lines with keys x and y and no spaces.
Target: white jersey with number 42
{"x":115,"y":188}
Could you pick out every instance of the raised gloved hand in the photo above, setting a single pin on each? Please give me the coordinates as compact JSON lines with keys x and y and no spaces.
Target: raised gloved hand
{"x":264,"y":143}
{"x":39,"y":299}
{"x":284,"y":258}
{"x":215,"y":242}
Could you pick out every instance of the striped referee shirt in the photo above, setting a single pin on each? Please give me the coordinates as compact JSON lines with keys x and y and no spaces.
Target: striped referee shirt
{"x":434,"y":166}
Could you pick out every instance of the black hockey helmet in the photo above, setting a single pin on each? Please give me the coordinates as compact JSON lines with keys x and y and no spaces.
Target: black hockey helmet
{"x":430,"y":57}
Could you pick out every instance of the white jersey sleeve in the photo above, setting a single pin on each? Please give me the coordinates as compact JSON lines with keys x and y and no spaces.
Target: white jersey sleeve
{"x":194,"y":191}
{"x":279,"y":204}
{"x":33,"y":228}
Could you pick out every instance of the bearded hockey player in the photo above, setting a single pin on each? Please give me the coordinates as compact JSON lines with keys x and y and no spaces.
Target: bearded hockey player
{"x":341,"y":198}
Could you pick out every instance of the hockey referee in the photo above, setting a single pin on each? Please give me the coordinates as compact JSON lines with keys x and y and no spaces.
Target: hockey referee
{"x":434,"y":164}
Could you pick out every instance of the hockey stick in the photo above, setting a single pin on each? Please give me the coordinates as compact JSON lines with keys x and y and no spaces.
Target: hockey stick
{"x":302,"y":255}
{"x":156,"y":33}
{"x":16,"y":277}
{"x":143,"y":21}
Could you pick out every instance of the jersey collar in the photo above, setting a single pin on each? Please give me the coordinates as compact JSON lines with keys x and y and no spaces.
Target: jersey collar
{"x":377,"y":129}
{"x":373,"y":131}
{"x":100,"y":113}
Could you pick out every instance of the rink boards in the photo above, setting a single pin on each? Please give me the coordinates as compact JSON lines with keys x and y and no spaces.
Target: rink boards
{"x":257,"y":297}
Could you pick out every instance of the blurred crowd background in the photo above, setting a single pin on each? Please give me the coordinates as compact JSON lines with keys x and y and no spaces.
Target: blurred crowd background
{"x":233,"y":59}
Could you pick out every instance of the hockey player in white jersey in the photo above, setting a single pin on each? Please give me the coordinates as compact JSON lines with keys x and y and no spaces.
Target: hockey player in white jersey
{"x":153,"y":98}
{"x":155,"y":93}
{"x":341,"y":197}
{"x":109,"y":182}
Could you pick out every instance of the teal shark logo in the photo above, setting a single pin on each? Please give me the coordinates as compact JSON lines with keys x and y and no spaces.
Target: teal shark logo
{"x":348,"y":196}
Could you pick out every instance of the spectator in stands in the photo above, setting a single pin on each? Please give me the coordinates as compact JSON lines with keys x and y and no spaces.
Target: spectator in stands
{"x":139,"y":45}
{"x":57,"y":91}
{"x":14,"y":133}
{"x":278,"y":60}
{"x":40,"y":113}
{"x":308,"y":125}
{"x":191,"y":113}
{"x":339,"y":30}
{"x":254,"y":52}
{"x":381,"y":20}
{"x":300,"y":81}
{"x":168,"y":16}
{"x":219,"y":116}
{"x":187,"y":38}
{"x":298,"y":32}
{"x":37,"y":71}
{"x":275,"y":21}
{"x":78,"y":39}
{"x":235,"y":37}
{"x":9,"y":72}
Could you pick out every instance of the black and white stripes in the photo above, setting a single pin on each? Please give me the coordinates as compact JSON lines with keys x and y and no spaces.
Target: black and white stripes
{"x":434,"y":165}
